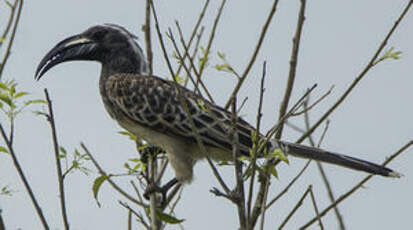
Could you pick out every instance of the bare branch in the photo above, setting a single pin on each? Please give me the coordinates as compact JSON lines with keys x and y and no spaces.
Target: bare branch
{"x":320,"y":166}
{"x":293,"y":67}
{"x":23,"y":178}
{"x":212,"y":35}
{"x":194,"y":31}
{"x":255,"y":54}
{"x":363,"y":73}
{"x":111,"y":182}
{"x":292,"y":182}
{"x":11,"y":40}
{"x":316,"y":209}
{"x":9,"y":21}
{"x":139,"y":216}
{"x":296,"y":207}
{"x":60,"y":177}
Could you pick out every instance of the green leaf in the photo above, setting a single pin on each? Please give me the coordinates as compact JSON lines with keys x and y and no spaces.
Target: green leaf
{"x":4,"y":86}
{"x":221,"y":55}
{"x":37,"y":101}
{"x":201,"y":104}
{"x":179,"y":79}
{"x":6,"y":99}
{"x":3,"y":150}
{"x":40,"y":113}
{"x":244,"y":158}
{"x":274,"y":172}
{"x":13,"y":89}
{"x":168,"y":218}
{"x":128,"y":134}
{"x":8,"y":3}
{"x":96,"y":186}
{"x":20,"y":94}
{"x":277,"y":153}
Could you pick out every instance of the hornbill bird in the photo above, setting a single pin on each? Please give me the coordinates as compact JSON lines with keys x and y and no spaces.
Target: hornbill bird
{"x":150,"y":107}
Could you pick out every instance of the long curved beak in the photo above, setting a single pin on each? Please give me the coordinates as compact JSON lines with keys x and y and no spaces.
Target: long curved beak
{"x":76,"y":47}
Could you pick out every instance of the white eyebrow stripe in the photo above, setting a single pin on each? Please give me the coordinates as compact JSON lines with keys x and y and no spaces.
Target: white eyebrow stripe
{"x":78,"y":41}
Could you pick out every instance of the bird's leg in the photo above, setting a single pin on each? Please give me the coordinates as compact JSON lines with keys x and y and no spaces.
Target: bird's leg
{"x":163,"y":190}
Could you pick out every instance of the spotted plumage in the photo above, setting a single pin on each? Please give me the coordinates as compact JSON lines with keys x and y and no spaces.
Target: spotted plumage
{"x":150,"y":107}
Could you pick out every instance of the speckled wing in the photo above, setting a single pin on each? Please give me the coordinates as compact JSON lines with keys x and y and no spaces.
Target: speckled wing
{"x":154,"y":103}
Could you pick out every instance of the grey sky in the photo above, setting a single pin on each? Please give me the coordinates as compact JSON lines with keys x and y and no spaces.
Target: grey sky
{"x":339,"y":38}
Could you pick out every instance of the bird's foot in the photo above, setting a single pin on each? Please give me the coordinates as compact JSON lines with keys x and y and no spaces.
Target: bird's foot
{"x":153,"y":188}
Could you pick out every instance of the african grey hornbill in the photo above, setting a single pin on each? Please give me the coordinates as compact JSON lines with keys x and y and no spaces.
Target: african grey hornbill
{"x":150,"y":107}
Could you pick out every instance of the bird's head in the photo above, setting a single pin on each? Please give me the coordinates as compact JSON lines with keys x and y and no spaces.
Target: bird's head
{"x":110,"y":44}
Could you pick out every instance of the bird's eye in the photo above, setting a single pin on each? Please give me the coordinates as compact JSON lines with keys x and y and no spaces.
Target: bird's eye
{"x":98,"y":35}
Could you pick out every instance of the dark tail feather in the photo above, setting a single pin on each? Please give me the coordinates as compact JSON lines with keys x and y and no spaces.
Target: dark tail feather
{"x":333,"y":158}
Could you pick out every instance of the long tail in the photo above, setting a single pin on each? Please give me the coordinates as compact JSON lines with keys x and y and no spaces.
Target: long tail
{"x":307,"y":152}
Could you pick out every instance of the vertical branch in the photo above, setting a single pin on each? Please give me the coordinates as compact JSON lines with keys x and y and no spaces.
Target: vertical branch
{"x":293,"y":67}
{"x":129,"y":219}
{"x":23,"y":178}
{"x":9,"y":22}
{"x":212,"y":35}
{"x":147,"y":29}
{"x":11,"y":40}
{"x":60,"y":178}
{"x":152,"y":160}
{"x":254,"y":158}
{"x":256,"y":51}
{"x":152,"y":173}
{"x":2,"y":227}
{"x":239,"y":188}
{"x":282,"y":115}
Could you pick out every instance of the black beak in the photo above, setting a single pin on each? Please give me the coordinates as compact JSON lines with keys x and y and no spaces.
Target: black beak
{"x":76,"y":47}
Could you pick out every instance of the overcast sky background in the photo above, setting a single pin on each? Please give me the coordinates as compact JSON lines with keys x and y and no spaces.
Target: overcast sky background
{"x":339,"y":38}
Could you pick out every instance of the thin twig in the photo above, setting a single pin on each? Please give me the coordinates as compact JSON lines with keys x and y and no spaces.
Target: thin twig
{"x":147,"y":30}
{"x":292,"y":182}
{"x":254,"y":159}
{"x":314,"y":103}
{"x":255,"y":54}
{"x":320,"y":166}
{"x":239,"y":187}
{"x":264,"y":179}
{"x":130,"y":210}
{"x":23,"y":178}
{"x":195,"y":51}
{"x":197,"y":90}
{"x":316,"y":209}
{"x":356,"y":187}
{"x":293,"y":66}
{"x":11,"y":40}
{"x":51,"y":120}
{"x":192,"y":65}
{"x":194,"y":31}
{"x":111,"y":182}
{"x":9,"y":22}
{"x":160,"y":37}
{"x":212,"y":36}
{"x":363,"y":73}
{"x":296,"y":207}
